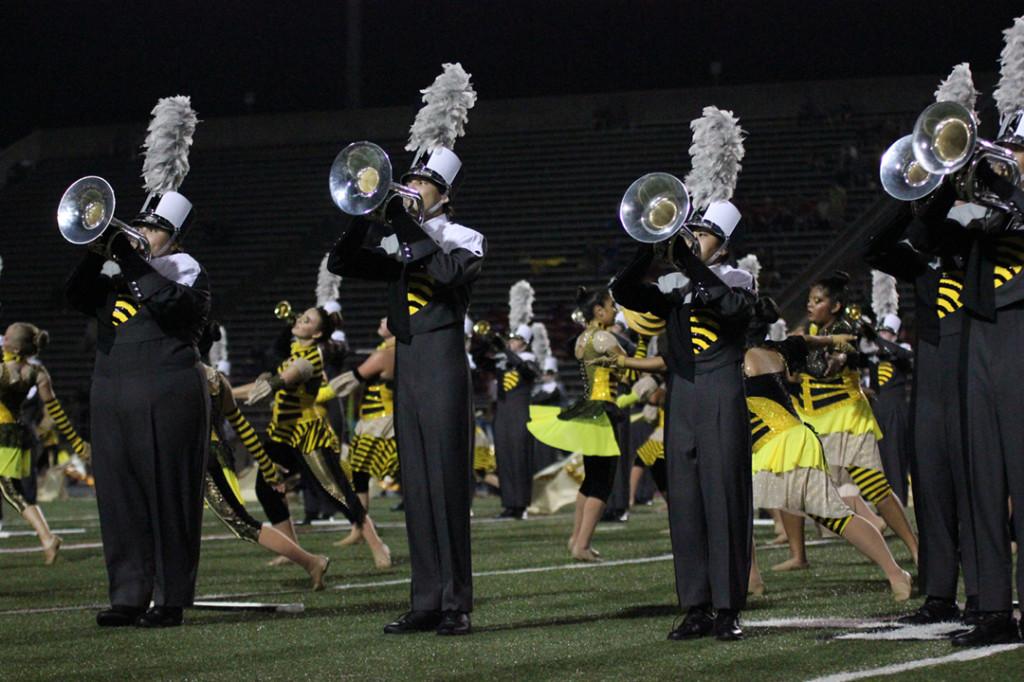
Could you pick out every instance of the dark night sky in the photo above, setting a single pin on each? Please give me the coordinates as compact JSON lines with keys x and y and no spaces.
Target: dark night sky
{"x":77,"y":63}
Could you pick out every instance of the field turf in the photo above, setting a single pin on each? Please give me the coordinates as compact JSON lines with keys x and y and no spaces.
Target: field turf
{"x":538,"y":615}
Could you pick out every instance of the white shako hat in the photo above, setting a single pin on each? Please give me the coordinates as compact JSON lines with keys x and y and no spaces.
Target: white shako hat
{"x":522,"y":332}
{"x":891,"y":322}
{"x":168,"y":139}
{"x":441,"y":168}
{"x":551,"y":364}
{"x":171,"y":212}
{"x":439,"y":122}
{"x":720,"y":218}
{"x":1009,"y":94}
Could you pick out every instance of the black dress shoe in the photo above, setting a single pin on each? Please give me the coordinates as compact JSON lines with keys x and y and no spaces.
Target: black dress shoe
{"x":991,"y":627}
{"x":934,"y":610}
{"x":118,"y":616}
{"x":399,"y":507}
{"x":160,"y":617}
{"x":413,"y":621}
{"x":727,"y":626}
{"x":454,"y":623}
{"x":698,"y":623}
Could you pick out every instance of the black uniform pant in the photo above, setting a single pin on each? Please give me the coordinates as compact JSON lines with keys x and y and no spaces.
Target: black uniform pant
{"x":710,"y":505}
{"x":938,"y":468}
{"x":150,"y":435}
{"x":893,"y":415}
{"x":994,"y":428}
{"x":513,"y":446}
{"x":618,"y":499}
{"x":434,"y":430}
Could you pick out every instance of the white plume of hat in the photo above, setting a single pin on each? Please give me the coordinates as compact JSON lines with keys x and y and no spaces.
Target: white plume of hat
{"x":885,"y":299}
{"x":219,"y":352}
{"x":715,"y":155}
{"x":167,"y":144}
{"x":328,"y":285}
{"x":520,"y":304}
{"x":1009,"y":94}
{"x":958,"y":87}
{"x":541,"y":345}
{"x":445,"y":111}
{"x":750,"y":264}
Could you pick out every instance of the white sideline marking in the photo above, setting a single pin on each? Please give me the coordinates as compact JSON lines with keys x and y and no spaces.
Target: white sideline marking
{"x":4,"y":534}
{"x":895,"y":669}
{"x":387,"y":583}
{"x":908,"y":632}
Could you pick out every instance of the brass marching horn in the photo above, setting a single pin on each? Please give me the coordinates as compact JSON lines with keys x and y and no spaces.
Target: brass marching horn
{"x":361,"y":182}
{"x":483,"y":330}
{"x":655,"y":209}
{"x":945,"y":142}
{"x":902,"y":176}
{"x":283,"y":311}
{"x":86,"y":212}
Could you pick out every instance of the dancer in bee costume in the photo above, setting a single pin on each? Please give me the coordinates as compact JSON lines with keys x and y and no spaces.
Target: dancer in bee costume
{"x":19,"y":374}
{"x":890,"y":368}
{"x":926,"y":245}
{"x":830,"y":399}
{"x":149,"y":401}
{"x":994,"y":299}
{"x":588,"y":425}
{"x":430,"y":277}
{"x":707,"y":306}
{"x":299,"y":436}
{"x":517,"y":368}
{"x":373,"y":451}
{"x":221,"y":491}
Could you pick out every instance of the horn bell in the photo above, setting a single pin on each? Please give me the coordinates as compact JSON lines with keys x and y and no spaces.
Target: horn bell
{"x":944,"y":137}
{"x":360,"y":178}
{"x":655,"y":207}
{"x":902,"y":176}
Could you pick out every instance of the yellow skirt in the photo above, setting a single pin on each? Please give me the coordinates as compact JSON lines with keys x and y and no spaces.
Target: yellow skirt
{"x":592,"y":436}
{"x":15,"y":451}
{"x":854,"y":417}
{"x":795,"y":447}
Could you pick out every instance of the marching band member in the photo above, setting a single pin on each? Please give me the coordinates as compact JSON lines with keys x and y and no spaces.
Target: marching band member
{"x":547,"y":391}
{"x":707,"y":306}
{"x":517,"y":370}
{"x":18,"y":375}
{"x":927,"y":247}
{"x":993,"y":295}
{"x":150,"y":403}
{"x":430,"y":269}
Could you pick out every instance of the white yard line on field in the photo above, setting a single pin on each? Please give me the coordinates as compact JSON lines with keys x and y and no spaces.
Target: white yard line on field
{"x":897,"y":668}
{"x":378,"y":583}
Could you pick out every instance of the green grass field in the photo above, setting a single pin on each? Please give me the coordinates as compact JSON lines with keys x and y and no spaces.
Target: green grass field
{"x":559,"y":620}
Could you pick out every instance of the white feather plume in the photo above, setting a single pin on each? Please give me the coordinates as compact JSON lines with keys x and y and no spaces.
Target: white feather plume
{"x":885,"y":299}
{"x":751,"y":264}
{"x":1009,"y":94}
{"x":520,"y":304}
{"x":170,"y":135}
{"x":328,"y":285}
{"x":541,"y":345}
{"x":446,"y":105}
{"x":958,"y":87}
{"x":715,"y":156}
{"x":219,"y":349}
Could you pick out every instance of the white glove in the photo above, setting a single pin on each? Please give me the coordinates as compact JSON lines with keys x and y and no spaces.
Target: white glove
{"x":344,"y":384}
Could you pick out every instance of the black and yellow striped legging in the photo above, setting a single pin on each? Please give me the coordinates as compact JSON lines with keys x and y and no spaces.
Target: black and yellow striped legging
{"x":837,"y":526}
{"x":871,"y":482}
{"x":252,"y":443}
